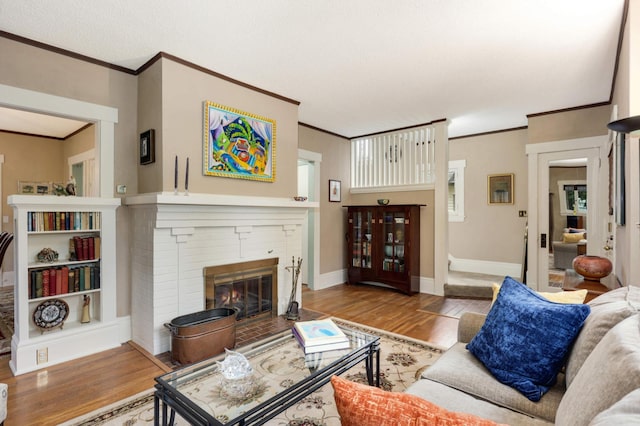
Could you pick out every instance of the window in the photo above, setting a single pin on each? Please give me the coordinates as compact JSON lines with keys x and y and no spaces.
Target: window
{"x":456,"y":190}
{"x":403,"y":159}
{"x":573,"y":197}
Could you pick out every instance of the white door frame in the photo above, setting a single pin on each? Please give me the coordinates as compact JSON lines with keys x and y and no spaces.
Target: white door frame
{"x":104,"y":118}
{"x":539,"y":156}
{"x":87,"y":158}
{"x":311,"y":227}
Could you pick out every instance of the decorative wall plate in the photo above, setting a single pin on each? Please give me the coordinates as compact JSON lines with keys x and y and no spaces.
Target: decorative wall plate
{"x":51,"y":314}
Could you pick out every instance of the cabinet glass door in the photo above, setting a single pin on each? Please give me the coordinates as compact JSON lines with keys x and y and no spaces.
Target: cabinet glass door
{"x":393,"y":224}
{"x":362,"y":222}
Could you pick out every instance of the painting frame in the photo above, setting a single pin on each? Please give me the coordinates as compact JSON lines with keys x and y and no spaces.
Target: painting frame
{"x":34,"y":188}
{"x":335,"y":193}
{"x":238,"y":144}
{"x":500,"y":189}
{"x":147,"y":147}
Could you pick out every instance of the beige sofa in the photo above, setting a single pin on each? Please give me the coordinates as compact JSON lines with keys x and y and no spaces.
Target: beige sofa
{"x":600,"y":384}
{"x":566,"y":250}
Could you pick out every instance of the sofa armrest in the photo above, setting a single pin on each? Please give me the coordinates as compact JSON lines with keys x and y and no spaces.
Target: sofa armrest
{"x":469,"y":325}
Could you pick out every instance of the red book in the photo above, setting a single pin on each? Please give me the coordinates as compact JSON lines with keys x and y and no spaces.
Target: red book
{"x":85,"y":248}
{"x":77,"y":242}
{"x":52,"y":282}
{"x":64,"y":287}
{"x":59,"y":281}
{"x":45,"y":283}
{"x":91,"y":244}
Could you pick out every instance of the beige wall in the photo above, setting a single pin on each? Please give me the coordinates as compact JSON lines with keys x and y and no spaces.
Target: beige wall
{"x":180,"y":131}
{"x":150,"y":117}
{"x":79,"y":143}
{"x":37,"y":69}
{"x":30,"y":159}
{"x":335,"y":162}
{"x":490,"y":232}
{"x":573,"y":124}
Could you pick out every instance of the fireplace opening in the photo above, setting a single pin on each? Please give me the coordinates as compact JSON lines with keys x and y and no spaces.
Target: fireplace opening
{"x":251,"y":288}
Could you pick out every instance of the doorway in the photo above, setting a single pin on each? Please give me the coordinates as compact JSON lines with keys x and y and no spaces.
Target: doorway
{"x":82,"y":169}
{"x":309,"y":186}
{"x":568,"y":215}
{"x":545,"y":228}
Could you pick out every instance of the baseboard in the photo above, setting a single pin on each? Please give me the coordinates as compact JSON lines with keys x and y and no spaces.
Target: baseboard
{"x":124,"y":328}
{"x":485,"y":267}
{"x":428,"y":285}
{"x":331,"y":279}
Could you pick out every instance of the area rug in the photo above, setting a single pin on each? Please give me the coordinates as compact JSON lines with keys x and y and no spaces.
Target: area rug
{"x":402,"y":361}
{"x":6,"y":319}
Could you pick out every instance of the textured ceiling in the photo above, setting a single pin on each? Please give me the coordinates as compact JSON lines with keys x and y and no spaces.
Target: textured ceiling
{"x":361,"y":66}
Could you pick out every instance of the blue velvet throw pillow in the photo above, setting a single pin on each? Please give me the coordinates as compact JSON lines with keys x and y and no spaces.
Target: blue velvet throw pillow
{"x":526,"y":338}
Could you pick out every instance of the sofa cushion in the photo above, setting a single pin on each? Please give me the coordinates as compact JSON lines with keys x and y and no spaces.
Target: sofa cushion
{"x":526,"y":338}
{"x":459,"y":369}
{"x":569,"y":237}
{"x":610,"y":372}
{"x":622,"y":413}
{"x":361,"y":405}
{"x":576,"y":296}
{"x":607,"y":310}
{"x":455,"y":400}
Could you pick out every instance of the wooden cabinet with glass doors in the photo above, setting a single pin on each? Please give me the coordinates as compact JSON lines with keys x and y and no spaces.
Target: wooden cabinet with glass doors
{"x":383,"y":246}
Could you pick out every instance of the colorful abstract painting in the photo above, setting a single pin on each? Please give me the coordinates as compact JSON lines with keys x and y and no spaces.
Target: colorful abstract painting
{"x":238,"y":144}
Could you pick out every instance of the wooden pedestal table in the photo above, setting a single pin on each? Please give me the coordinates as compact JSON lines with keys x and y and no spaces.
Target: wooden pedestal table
{"x":574,"y":281}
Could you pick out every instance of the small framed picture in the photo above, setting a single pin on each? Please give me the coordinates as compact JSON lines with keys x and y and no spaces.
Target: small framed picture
{"x":334,"y":191}
{"x":34,"y":188}
{"x":500,"y":189}
{"x":147,"y":147}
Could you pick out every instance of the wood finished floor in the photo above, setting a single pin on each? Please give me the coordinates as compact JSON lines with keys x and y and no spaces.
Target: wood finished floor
{"x":62,"y":392}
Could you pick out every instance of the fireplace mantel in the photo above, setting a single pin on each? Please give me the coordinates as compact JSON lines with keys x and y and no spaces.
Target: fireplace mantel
{"x":175,"y":236}
{"x":197,"y":199}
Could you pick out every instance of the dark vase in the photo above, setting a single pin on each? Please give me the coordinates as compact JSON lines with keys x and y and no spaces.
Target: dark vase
{"x":592,"y":268}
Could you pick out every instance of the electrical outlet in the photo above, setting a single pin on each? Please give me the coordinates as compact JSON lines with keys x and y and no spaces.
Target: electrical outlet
{"x":42,"y":355}
{"x":121,"y":189}
{"x":522,"y":213}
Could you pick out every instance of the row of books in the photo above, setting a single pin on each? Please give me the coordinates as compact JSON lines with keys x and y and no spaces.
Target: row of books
{"x":62,"y":280}
{"x":62,"y":221}
{"x":320,"y":336}
{"x":86,"y":247}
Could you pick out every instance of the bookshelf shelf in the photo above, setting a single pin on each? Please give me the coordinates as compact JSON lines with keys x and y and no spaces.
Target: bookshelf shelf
{"x":66,"y":231}
{"x":61,"y":263}
{"x":63,"y":224}
{"x":64,"y":296}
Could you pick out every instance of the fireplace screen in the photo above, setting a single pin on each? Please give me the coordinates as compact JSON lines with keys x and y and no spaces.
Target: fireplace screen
{"x":248,"y":287}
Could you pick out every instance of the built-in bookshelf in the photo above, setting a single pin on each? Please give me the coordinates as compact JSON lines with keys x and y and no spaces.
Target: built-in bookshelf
{"x":64,"y":251}
{"x":383,"y":245}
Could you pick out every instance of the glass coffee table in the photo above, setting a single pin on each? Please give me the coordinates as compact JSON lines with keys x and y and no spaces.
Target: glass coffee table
{"x":282,"y":376}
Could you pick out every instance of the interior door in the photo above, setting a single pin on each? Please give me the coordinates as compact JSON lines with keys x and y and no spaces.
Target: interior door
{"x":544,"y":238}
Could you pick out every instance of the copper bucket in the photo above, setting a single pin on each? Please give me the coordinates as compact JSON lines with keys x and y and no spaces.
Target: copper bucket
{"x":201,"y":335}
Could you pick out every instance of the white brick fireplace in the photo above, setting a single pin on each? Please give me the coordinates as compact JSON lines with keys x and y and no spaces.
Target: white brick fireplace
{"x":175,"y":236}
